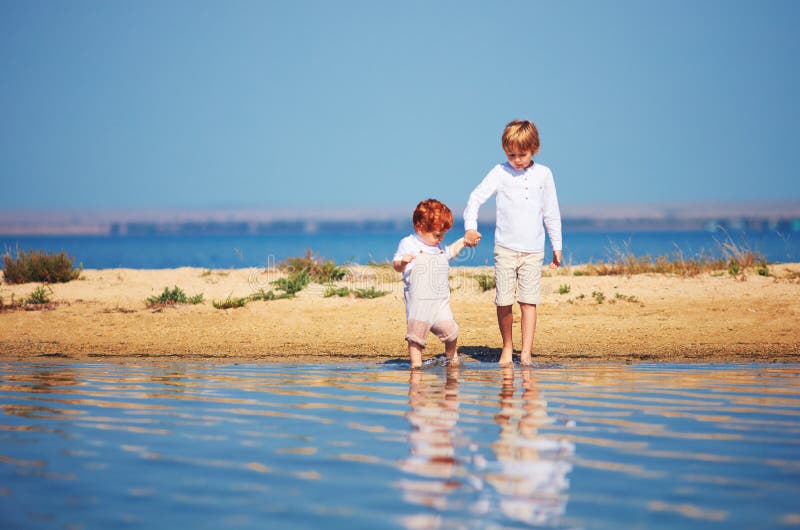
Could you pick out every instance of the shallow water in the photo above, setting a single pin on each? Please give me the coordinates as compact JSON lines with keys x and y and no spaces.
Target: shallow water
{"x":366,"y":446}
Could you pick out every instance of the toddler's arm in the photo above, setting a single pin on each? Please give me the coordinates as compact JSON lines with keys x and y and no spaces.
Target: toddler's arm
{"x":456,"y":247}
{"x":400,"y":264}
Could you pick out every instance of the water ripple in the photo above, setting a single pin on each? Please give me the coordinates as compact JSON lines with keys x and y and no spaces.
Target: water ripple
{"x":207,"y":446}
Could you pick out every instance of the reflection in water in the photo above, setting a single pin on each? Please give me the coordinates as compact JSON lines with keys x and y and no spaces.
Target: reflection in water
{"x":288,"y":446}
{"x":526,"y":481}
{"x":531,"y":472}
{"x":432,"y":415}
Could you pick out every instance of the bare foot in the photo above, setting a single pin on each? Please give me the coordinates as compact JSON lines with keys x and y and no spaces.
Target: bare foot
{"x":455,"y":360}
{"x":525,"y":359}
{"x":506,"y":357}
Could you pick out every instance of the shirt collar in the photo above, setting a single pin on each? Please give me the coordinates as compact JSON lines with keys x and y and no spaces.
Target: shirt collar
{"x":437,"y":247}
{"x":518,"y":171}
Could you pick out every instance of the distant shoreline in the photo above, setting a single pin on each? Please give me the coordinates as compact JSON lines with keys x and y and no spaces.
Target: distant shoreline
{"x":758,"y":216}
{"x":237,"y":229}
{"x":639,"y":318}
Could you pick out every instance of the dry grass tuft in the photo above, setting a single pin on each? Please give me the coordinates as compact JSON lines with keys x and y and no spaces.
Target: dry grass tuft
{"x":733,"y":257}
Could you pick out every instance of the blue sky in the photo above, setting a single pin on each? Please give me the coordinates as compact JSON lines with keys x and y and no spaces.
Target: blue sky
{"x":195,"y":104}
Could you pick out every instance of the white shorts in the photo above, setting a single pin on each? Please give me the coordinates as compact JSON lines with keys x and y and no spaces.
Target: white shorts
{"x":429,"y":315}
{"x":517,"y":275}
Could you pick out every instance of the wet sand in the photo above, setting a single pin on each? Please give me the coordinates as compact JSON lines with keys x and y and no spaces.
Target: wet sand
{"x":649,"y":317}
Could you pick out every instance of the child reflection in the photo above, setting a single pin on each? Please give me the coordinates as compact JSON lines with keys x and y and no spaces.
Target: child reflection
{"x":530,"y":474}
{"x":433,"y":414}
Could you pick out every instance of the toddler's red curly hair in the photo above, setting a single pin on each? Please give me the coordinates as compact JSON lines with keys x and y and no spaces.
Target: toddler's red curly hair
{"x":431,"y":215}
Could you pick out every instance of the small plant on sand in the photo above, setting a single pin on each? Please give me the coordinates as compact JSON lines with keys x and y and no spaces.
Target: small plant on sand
{"x":564,"y":288}
{"x":370,"y":292}
{"x":762,"y":269}
{"x":733,"y":267}
{"x":230,"y":302}
{"x":317,"y":269}
{"x":486,"y":281}
{"x":39,"y":299}
{"x":173,"y":296}
{"x":39,"y":266}
{"x":261,"y":294}
{"x":294,"y":283}
{"x":337,"y":291}
{"x":598,"y":296}
{"x":621,"y":297}
{"x":39,"y":296}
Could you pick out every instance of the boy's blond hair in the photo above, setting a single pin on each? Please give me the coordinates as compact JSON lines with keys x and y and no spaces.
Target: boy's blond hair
{"x":521,"y":135}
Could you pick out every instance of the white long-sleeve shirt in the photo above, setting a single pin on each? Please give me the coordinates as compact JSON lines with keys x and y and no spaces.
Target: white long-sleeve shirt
{"x":526,"y":204}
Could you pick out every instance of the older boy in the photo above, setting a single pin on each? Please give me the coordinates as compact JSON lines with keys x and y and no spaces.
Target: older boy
{"x":526,"y":202}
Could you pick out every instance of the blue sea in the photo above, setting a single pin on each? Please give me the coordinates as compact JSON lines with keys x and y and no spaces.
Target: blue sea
{"x":217,"y":251}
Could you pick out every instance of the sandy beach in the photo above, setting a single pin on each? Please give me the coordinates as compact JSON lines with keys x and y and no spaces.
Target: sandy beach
{"x":647,"y":317}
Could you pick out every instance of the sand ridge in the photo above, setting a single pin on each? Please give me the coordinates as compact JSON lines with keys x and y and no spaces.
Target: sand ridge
{"x":647,"y":317}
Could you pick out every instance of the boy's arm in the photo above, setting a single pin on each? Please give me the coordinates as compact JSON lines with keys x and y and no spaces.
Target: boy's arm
{"x":552,"y":220}
{"x":479,"y":195}
{"x":455,"y":248}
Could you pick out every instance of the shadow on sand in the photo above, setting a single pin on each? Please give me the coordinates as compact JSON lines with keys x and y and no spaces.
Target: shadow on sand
{"x":483,"y":354}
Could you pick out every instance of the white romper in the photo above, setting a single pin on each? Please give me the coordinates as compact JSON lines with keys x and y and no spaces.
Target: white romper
{"x":428,"y":300}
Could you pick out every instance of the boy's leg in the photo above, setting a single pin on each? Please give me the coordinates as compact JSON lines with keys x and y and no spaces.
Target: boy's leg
{"x":528,"y":331}
{"x":530,"y":278}
{"x":505,"y":319}
{"x":505,"y":276}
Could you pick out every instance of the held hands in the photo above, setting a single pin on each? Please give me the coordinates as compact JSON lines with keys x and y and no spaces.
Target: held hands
{"x":472,"y":238}
{"x":556,"y":259}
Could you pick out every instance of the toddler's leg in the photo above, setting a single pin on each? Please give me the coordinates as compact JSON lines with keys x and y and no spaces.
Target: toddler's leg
{"x":528,"y":331}
{"x":415,"y":335}
{"x":415,"y":354}
{"x":505,"y":319}
{"x":450,"y":351}
{"x":447,"y":331}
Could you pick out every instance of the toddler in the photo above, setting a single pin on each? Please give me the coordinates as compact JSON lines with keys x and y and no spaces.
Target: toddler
{"x":424,"y":261}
